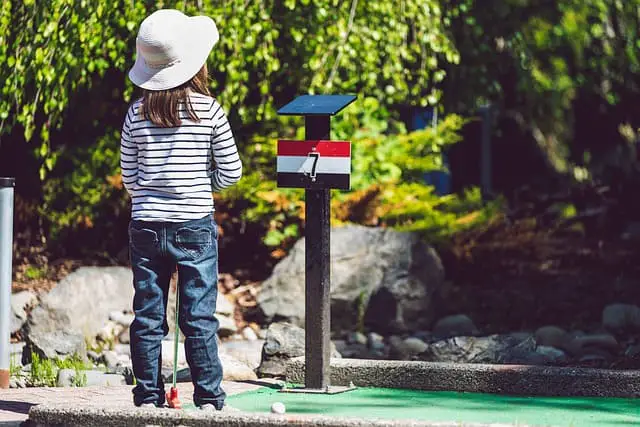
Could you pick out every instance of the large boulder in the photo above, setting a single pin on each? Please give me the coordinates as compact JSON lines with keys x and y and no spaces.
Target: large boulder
{"x":388,"y":276}
{"x":284,"y":342}
{"x":77,"y":308}
{"x":20,"y":301}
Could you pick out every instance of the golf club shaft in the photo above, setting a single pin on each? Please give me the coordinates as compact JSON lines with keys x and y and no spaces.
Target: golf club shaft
{"x":177,"y":335}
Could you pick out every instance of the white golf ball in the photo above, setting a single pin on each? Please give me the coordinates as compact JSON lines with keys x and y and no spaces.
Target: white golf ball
{"x":278,"y":408}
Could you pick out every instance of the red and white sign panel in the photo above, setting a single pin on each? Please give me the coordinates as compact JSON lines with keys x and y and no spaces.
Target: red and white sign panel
{"x":314,"y":164}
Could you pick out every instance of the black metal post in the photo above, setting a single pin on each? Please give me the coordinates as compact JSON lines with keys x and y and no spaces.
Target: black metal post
{"x":317,"y":277}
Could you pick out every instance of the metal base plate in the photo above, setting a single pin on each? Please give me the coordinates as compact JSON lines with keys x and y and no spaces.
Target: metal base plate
{"x":334,"y":389}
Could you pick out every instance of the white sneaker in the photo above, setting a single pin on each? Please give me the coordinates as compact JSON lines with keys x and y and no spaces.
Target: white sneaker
{"x":148,"y":405}
{"x":208,"y":407}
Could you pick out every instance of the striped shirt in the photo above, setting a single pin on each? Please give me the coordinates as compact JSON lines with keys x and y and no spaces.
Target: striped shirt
{"x":169,"y":172}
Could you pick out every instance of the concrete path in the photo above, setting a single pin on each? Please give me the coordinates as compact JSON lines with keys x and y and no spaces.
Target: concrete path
{"x":15,"y":403}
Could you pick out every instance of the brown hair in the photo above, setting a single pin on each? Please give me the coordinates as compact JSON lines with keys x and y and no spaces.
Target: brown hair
{"x":161,"y":106}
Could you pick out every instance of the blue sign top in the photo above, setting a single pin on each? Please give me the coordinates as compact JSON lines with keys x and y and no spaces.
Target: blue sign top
{"x":316,"y":105}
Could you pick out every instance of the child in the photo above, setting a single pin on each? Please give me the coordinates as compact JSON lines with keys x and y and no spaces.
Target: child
{"x":169,"y":138}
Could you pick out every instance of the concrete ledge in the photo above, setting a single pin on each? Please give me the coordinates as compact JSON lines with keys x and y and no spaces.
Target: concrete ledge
{"x":498,"y":379}
{"x":48,"y":415}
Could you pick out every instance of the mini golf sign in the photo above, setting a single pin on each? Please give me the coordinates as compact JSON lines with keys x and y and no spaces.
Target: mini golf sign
{"x":314,"y":164}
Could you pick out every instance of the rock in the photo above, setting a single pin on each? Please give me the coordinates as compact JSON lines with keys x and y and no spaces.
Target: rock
{"x":414,"y":345}
{"x":585,"y":344}
{"x":122,"y":349}
{"x":621,"y":317}
{"x":249,"y":334}
{"x":122,"y":318}
{"x":183,"y":375}
{"x":247,"y":352}
{"x":224,"y":306}
{"x":359,"y":350}
{"x":604,"y":341}
{"x":127,"y":373}
{"x":78,"y":306}
{"x":355,"y":351}
{"x":17,"y":382}
{"x":552,"y":355}
{"x":55,"y":344}
{"x":235,"y":370}
{"x":95,"y":357}
{"x":511,"y":348}
{"x":552,"y":336}
{"x":454,"y":326}
{"x":396,"y":348}
{"x":167,"y":354}
{"x":19,"y":302}
{"x":595,"y":359}
{"x":375,"y":341}
{"x":357,"y":338}
{"x":633,"y":351}
{"x":124,"y":360}
{"x":68,"y":378}
{"x":393,"y":274}
{"x":284,"y":341}
{"x":425,"y":336}
{"x":227,"y":326}
{"x":525,"y":353}
{"x":124,"y":337}
{"x":109,"y":332}
{"x":407,"y":348}
{"x":111,"y":360}
{"x":232,"y":368}
{"x":341,"y":346}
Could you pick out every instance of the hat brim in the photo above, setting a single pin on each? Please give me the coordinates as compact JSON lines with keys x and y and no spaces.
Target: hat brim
{"x":200,"y":36}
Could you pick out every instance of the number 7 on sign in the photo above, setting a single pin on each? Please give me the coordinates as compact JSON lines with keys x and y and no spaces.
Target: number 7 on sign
{"x":311,"y":164}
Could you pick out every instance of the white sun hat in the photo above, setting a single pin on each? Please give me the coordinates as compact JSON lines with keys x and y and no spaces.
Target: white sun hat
{"x":171,"y":48}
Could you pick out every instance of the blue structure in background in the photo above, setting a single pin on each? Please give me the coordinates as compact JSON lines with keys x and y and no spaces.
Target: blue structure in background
{"x":441,"y":180}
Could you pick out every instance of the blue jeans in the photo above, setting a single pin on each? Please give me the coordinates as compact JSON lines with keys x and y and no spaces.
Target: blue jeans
{"x":156,"y":248}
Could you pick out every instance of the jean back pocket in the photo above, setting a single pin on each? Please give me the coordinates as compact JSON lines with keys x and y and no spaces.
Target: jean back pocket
{"x":194,"y":241}
{"x":143,"y":239}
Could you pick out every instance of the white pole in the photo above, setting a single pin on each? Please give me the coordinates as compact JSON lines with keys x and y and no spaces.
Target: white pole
{"x":6,"y":249}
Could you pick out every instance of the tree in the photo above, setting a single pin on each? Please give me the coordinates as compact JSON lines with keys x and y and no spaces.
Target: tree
{"x":63,"y":67}
{"x":268,"y":52}
{"x":567,"y":71}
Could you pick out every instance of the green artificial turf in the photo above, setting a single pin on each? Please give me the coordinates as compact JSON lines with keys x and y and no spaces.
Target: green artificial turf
{"x":450,"y":406}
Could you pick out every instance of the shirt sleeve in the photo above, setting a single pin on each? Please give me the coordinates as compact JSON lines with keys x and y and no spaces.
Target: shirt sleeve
{"x":128,"y":155}
{"x":228,"y":167}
